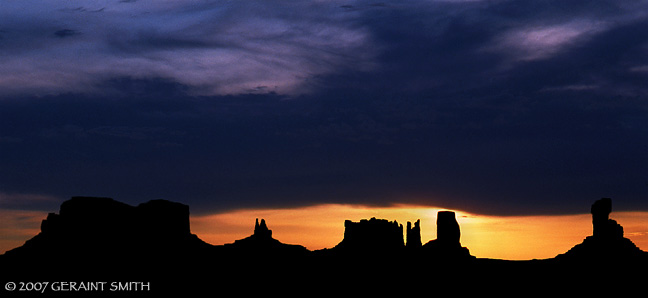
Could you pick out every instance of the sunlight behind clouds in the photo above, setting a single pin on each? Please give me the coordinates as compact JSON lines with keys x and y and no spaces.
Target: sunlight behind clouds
{"x":503,"y":237}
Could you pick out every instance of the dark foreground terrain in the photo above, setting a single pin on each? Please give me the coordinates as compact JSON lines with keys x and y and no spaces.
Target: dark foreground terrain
{"x":101,"y":247}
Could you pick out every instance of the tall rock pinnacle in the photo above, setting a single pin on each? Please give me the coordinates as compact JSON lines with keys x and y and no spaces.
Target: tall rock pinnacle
{"x":414,"y":234}
{"x":603,"y":227}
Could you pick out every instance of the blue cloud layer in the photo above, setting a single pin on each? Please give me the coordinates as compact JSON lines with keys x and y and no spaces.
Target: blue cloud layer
{"x":500,"y":107}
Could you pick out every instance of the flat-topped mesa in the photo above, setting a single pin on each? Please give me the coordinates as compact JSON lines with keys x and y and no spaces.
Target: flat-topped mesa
{"x":100,"y":216}
{"x":103,"y":226}
{"x":372,"y":235}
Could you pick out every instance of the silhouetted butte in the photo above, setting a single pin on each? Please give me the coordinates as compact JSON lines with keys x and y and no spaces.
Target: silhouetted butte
{"x":447,"y":245}
{"x":607,"y":245}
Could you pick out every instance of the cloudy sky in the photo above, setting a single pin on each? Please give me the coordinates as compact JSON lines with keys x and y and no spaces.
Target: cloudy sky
{"x":493,"y":107}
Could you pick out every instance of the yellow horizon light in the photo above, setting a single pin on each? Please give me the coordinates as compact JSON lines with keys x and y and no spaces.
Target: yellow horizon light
{"x":498,"y":237}
{"x":322,"y":226}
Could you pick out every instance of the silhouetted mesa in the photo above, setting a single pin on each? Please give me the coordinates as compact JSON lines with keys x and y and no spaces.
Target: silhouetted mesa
{"x":373,"y":235}
{"x":447,"y":244}
{"x":607,"y":244}
{"x":90,"y":226}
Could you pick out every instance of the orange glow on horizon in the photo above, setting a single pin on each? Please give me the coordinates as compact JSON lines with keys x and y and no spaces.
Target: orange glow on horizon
{"x":511,"y":237}
{"x":18,"y":226}
{"x":322,"y":226}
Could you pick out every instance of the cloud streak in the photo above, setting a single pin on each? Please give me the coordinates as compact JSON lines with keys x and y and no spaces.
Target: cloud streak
{"x":543,"y":42}
{"x":218,"y":47}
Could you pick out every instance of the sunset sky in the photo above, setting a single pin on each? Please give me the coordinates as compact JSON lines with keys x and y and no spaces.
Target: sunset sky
{"x":512,"y":113}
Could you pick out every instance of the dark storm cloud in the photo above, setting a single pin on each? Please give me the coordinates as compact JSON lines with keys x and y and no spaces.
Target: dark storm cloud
{"x":533,"y":109}
{"x":66,"y":33}
{"x":500,"y":107}
{"x":219,"y":153}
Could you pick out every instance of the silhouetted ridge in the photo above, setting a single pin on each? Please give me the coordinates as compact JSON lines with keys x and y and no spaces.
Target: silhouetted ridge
{"x":607,"y":245}
{"x":102,"y":239}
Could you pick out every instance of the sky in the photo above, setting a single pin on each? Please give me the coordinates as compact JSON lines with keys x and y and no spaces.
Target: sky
{"x":497,"y":108}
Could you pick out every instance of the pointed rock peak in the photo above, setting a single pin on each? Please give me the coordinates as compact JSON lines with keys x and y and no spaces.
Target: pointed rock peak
{"x":261,"y":230}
